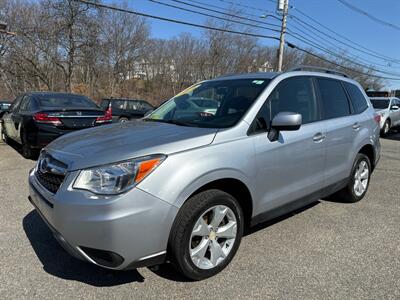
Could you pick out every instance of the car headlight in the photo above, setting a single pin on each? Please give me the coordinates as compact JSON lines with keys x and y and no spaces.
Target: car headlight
{"x":119,"y":177}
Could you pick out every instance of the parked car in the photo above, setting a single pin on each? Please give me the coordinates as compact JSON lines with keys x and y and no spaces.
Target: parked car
{"x":389,"y":110}
{"x":36,"y":119}
{"x":4,"y":106}
{"x":124,"y":110}
{"x":182,"y":186}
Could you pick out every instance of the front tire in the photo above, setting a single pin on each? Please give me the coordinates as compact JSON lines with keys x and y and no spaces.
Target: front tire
{"x":359,"y":180}
{"x":206,"y":234}
{"x":123,"y":120}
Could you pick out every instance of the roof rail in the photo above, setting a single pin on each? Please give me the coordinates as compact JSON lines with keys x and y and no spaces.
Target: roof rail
{"x":319,"y":69}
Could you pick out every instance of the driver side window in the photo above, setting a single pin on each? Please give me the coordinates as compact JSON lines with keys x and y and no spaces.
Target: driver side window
{"x":294,"y":94}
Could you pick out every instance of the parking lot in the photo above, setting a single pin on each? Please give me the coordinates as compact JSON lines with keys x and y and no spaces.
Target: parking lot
{"x":327,"y":251}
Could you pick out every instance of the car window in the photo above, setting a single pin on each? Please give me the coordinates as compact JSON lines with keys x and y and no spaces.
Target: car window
{"x":15,"y":106}
{"x":145,"y":105}
{"x":357,"y":98}
{"x":291,"y":95}
{"x":104,"y":104}
{"x":380,"y":103}
{"x":118,"y":104}
{"x":230,"y":100}
{"x":133,"y":105}
{"x":334,"y":99}
{"x":64,"y":100}
{"x":24,"y":106}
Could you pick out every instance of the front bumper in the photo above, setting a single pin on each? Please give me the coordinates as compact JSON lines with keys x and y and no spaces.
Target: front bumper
{"x":119,"y":232}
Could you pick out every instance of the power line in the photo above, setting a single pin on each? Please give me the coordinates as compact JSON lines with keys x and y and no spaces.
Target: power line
{"x":247,"y":6}
{"x":173,"y":20}
{"x":368,"y":15}
{"x":320,"y":38}
{"x":310,"y":43}
{"x":212,"y":16}
{"x":224,"y":13}
{"x":291,"y":45}
{"x":337,"y":64}
{"x":304,"y":39}
{"x":344,"y":43}
{"x":244,"y":13}
{"x":377,"y":54}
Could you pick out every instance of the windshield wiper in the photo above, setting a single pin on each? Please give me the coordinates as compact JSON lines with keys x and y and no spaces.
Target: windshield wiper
{"x":175,"y":122}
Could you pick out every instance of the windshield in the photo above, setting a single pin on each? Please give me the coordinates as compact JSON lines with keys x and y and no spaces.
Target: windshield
{"x":62,"y":100}
{"x":212,"y":104}
{"x":380,"y":104}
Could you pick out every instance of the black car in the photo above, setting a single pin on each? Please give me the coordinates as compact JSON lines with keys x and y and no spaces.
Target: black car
{"x":4,"y":106}
{"x":36,"y":119}
{"x":126,"y":109}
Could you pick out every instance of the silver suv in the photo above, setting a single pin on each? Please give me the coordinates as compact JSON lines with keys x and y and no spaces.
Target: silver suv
{"x":183,"y":184}
{"x":389,"y":111}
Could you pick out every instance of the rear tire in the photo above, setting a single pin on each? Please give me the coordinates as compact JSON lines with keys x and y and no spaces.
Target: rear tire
{"x":26,"y":150}
{"x":358,"y":183}
{"x":386,"y":128}
{"x":123,"y":120}
{"x":206,"y":234}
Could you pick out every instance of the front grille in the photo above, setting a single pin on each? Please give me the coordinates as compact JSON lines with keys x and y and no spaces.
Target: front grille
{"x":50,"y":181}
{"x":50,"y":172}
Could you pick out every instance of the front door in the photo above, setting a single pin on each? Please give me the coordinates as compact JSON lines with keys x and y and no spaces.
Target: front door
{"x":291,"y":168}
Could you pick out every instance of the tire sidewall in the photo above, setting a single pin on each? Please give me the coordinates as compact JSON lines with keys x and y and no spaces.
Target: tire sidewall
{"x":360,"y":157}
{"x":187,"y":265}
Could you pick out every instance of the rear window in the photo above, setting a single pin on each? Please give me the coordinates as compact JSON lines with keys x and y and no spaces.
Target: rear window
{"x":51,"y":101}
{"x":334,"y":98}
{"x":357,"y":98}
{"x":104,"y":104}
{"x":380,"y":104}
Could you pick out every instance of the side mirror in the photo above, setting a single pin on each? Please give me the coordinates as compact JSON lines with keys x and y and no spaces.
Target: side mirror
{"x":284,"y":121}
{"x":394,"y":107}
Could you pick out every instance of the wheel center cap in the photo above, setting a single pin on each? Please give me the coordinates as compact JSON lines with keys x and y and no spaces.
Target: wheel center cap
{"x":212,"y":235}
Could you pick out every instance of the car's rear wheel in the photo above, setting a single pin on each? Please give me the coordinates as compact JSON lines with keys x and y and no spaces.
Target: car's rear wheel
{"x":385,"y":128}
{"x":27,"y":151}
{"x":359,"y":181}
{"x":206,"y":234}
{"x":123,"y":119}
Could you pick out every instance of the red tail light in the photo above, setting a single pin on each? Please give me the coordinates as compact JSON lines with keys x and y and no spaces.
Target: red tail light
{"x":107,"y":117}
{"x":377,"y":118}
{"x":46,"y":119}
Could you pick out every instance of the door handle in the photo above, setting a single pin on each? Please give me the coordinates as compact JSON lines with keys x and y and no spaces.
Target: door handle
{"x":356,"y":126}
{"x":318,"y":137}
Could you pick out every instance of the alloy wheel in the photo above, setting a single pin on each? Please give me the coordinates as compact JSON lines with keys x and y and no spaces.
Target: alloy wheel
{"x":213,"y":237}
{"x":361,"y":178}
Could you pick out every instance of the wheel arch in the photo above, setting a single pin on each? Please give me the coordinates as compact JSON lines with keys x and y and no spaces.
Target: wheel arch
{"x":369,"y":151}
{"x":237,"y":189}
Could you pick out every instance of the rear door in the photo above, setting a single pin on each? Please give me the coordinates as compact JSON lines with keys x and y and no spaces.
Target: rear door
{"x":14,"y":119}
{"x":342,"y":129}
{"x":292,"y":167}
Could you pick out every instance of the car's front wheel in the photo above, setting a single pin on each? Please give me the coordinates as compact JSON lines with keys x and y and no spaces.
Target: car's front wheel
{"x":206,"y":234}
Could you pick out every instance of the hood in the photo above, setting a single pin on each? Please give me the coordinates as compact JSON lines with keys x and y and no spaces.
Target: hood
{"x":116,"y":142}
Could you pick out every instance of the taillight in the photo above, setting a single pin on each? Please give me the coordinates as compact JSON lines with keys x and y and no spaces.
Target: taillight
{"x":377,"y":118}
{"x":46,"y":119}
{"x":107,"y":117}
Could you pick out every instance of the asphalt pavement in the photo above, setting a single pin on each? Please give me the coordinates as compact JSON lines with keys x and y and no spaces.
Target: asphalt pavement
{"x":328,"y":250}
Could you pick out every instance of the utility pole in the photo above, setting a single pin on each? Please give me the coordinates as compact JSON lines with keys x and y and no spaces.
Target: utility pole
{"x":283,"y":5}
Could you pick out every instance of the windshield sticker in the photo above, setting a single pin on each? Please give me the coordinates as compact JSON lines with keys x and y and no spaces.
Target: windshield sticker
{"x":258,"y":81}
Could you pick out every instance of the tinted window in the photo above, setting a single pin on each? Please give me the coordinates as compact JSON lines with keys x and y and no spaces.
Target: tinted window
{"x":15,"y":106}
{"x":133,"y":105}
{"x":335,"y":102}
{"x":118,"y":104}
{"x":24,"y":104}
{"x":104,"y":104}
{"x":380,"y":104}
{"x":291,"y":95}
{"x":356,"y":97}
{"x":233,"y":98}
{"x":63,"y":100}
